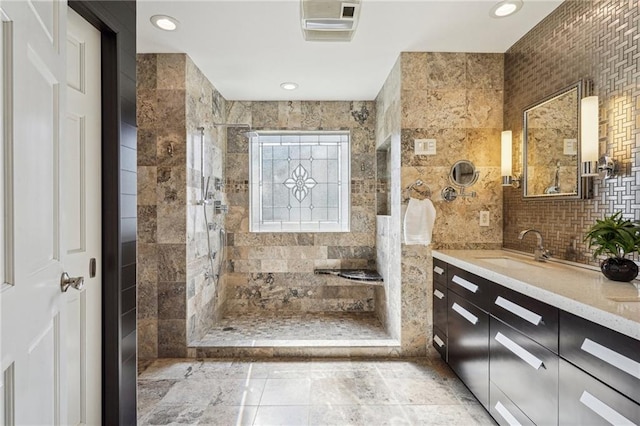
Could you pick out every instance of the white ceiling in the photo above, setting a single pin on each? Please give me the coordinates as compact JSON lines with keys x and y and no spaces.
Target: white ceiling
{"x":248,"y":47}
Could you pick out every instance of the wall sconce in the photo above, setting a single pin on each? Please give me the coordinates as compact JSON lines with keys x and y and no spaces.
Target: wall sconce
{"x":506,"y":166}
{"x":603,"y":166}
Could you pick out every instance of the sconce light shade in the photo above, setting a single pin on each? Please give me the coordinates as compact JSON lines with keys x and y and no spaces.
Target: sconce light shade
{"x":589,"y":145}
{"x":506,"y":167}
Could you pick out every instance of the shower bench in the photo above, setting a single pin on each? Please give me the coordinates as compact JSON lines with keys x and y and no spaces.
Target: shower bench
{"x":364,"y":276}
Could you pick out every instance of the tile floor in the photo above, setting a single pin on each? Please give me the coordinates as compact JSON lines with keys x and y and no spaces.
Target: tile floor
{"x":249,"y":329}
{"x":305,"y":392}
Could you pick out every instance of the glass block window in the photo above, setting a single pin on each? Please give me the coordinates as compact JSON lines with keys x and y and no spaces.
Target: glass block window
{"x":300,"y":181}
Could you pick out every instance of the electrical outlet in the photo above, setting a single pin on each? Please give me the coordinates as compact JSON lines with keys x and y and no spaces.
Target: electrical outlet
{"x":484,"y":218}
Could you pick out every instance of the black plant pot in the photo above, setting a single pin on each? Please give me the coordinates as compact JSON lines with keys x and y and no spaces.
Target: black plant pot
{"x":617,"y":269}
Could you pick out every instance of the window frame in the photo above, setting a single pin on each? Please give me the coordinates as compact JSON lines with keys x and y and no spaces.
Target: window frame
{"x":258,"y":224}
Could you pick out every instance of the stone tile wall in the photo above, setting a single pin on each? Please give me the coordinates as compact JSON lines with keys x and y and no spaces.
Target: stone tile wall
{"x":175,"y":303}
{"x":455,"y":98}
{"x":274,"y":271}
{"x":161,"y":113}
{"x":205,"y":297}
{"x":598,"y":41}
{"x":388,"y":131}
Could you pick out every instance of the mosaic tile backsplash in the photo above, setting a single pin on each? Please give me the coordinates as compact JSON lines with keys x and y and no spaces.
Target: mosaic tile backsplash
{"x":591,"y":40}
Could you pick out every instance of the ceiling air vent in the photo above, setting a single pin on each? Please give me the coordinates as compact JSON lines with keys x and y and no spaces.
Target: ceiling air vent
{"x":329,"y":20}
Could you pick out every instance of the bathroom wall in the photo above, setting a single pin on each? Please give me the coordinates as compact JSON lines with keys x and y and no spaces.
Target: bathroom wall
{"x":455,"y":98}
{"x":174,"y":302}
{"x":273,"y":272}
{"x":205,"y":296}
{"x":595,"y":40}
{"x":388,"y":127}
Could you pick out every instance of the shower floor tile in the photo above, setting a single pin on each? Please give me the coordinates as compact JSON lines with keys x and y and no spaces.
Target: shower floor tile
{"x":328,"y":329}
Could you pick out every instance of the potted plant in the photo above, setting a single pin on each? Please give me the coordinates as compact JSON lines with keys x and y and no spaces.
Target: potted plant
{"x":616,"y":237}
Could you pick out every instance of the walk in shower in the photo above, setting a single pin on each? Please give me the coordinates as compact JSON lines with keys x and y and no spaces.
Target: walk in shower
{"x":208,"y":286}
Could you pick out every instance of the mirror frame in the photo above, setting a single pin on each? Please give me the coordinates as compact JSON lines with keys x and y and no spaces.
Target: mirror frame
{"x":474,"y":179}
{"x":583,"y":89}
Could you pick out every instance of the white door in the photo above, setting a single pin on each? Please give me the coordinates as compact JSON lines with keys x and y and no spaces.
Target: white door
{"x":38,"y":352}
{"x":81,"y":221}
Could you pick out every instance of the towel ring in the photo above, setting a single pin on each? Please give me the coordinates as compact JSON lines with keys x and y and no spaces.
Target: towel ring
{"x":423,"y":193}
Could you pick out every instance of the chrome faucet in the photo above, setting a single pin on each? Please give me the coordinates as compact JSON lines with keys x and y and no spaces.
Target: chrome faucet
{"x":539,"y":254}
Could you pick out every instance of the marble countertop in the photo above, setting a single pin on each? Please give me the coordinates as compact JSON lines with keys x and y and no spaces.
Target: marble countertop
{"x":580,"y":291}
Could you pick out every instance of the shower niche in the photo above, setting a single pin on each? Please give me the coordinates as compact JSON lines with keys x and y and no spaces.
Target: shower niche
{"x":383,"y":179}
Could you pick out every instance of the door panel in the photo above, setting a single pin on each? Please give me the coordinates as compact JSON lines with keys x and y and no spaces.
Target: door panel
{"x":51,"y":341}
{"x":82,"y":218}
{"x":32,"y":309}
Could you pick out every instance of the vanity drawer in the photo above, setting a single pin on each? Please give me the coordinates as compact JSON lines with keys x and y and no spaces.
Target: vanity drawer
{"x":439,"y":271}
{"x":440,"y":307}
{"x":533,"y":318}
{"x":468,"y":345}
{"x":587,"y":401}
{"x":440,"y":342}
{"x":504,"y":411}
{"x":605,"y":354}
{"x":470,"y":286}
{"x":525,"y":371}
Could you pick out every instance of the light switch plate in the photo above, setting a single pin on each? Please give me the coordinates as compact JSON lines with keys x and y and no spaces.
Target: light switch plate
{"x":424,"y":146}
{"x":484,"y":218}
{"x":570,"y":146}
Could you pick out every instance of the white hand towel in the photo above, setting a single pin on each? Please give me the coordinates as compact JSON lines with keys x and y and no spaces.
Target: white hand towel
{"x":418,"y":222}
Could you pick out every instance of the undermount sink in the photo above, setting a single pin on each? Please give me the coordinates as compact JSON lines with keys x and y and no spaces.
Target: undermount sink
{"x":507,"y":262}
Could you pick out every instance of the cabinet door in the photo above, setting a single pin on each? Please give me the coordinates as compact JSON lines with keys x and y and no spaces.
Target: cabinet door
{"x":587,"y":401}
{"x":440,"y":343}
{"x":468,"y":350}
{"x":605,"y":354}
{"x":531,"y":317}
{"x":475,"y":289}
{"x":525,"y":371}
{"x":504,"y":411}
{"x":439,"y":271}
{"x":440,"y":307}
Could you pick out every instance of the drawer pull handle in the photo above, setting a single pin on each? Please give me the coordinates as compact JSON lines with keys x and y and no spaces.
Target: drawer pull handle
{"x":617,"y":360}
{"x":466,"y":314}
{"x":438,"y":294}
{"x":438,"y":340}
{"x":518,"y":310}
{"x":603,"y":410}
{"x":464,"y":283}
{"x":438,"y":270}
{"x":507,"y":415}
{"x":519,"y":351}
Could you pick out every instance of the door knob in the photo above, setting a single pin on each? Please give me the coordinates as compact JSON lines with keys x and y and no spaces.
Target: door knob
{"x":66,"y":282}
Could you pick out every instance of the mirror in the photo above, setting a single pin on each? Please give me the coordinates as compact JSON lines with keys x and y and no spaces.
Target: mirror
{"x":551,"y":145}
{"x":463,"y":173}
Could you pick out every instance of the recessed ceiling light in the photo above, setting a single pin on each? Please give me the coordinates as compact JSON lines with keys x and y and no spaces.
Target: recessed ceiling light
{"x":164,"y":22}
{"x":505,"y":8}
{"x":289,"y":85}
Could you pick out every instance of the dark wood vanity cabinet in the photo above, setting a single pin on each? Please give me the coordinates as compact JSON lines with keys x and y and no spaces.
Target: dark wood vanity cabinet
{"x":611,"y":357}
{"x":531,"y":363}
{"x":440,"y":337}
{"x":504,"y":411}
{"x":525,"y":371}
{"x":585,"y":400}
{"x":468,"y":330}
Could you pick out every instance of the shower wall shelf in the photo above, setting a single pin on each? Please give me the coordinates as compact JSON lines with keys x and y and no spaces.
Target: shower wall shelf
{"x":363,"y":276}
